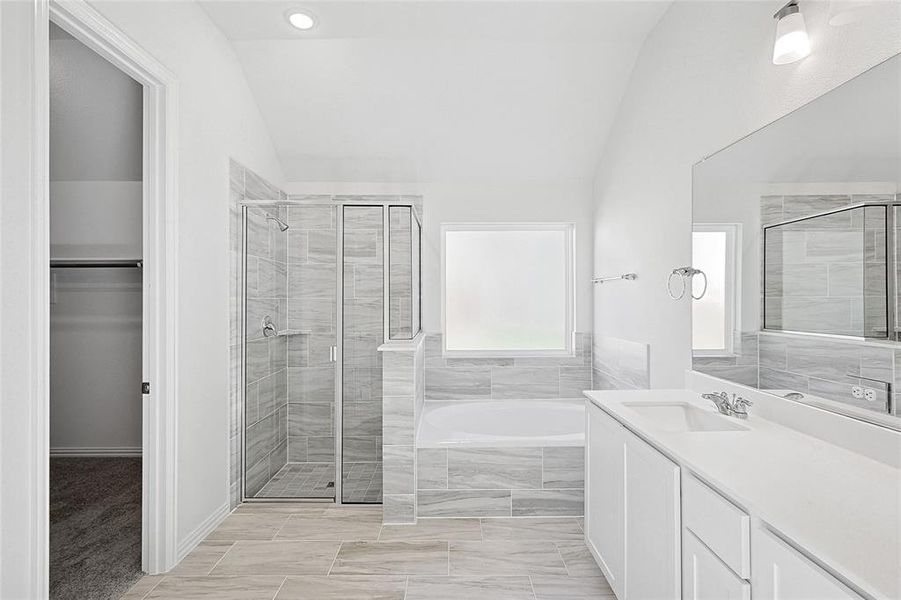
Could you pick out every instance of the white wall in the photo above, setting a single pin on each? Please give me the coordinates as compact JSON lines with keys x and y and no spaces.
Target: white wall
{"x":96,"y":166}
{"x":704,"y":78}
{"x":217,"y":118}
{"x":449,"y":203}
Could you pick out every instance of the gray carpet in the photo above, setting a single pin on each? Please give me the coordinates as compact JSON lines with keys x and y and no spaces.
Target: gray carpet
{"x":95,"y":527}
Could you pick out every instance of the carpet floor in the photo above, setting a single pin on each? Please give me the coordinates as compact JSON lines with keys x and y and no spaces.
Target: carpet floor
{"x":95,"y":527}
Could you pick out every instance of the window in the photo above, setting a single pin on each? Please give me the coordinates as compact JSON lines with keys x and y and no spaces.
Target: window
{"x":507,"y":289}
{"x":713,"y":316}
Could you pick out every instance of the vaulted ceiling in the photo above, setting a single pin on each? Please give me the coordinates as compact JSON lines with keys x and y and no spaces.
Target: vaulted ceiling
{"x":429,"y":91}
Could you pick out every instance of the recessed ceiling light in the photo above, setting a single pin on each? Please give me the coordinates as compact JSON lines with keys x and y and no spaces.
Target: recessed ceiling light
{"x":301,"y":20}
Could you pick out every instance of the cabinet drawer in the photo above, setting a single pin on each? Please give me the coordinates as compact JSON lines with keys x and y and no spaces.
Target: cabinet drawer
{"x":706,"y":577}
{"x":722,"y":526}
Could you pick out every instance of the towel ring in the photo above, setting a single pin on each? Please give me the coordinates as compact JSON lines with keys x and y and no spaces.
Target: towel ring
{"x":686,"y":276}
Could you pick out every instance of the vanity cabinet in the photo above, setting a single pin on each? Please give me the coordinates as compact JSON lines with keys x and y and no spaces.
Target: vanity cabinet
{"x":638,"y":548}
{"x":782,"y":573}
{"x":706,"y":577}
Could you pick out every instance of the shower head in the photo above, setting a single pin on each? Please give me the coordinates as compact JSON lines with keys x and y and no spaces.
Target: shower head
{"x":281,"y":224}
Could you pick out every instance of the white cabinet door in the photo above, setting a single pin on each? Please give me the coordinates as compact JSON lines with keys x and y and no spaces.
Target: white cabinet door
{"x":604,"y":489}
{"x":705,"y":576}
{"x":653,"y":558}
{"x":780,"y":572}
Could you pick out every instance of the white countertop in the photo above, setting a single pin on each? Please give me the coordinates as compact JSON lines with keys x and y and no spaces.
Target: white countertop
{"x":842,"y":508}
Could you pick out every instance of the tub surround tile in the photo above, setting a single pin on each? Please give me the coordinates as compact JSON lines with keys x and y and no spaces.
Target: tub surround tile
{"x":399,"y":473}
{"x":563,"y":467}
{"x":621,"y":364}
{"x":531,"y":503}
{"x":493,"y":468}
{"x":399,"y":508}
{"x":431,"y":468}
{"x":464,"y":503}
{"x":483,"y":378}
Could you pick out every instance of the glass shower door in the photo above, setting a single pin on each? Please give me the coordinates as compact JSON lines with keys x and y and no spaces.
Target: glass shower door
{"x":363,"y":329}
{"x":291,"y":300}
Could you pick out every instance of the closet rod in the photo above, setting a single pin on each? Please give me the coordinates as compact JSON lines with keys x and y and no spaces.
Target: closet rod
{"x":95,"y":264}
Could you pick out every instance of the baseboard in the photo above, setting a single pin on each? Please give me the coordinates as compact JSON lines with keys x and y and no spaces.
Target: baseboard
{"x":89,"y":451}
{"x":202,"y":530}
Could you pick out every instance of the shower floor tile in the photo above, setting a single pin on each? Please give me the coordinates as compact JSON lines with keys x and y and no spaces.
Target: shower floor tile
{"x":362,"y":482}
{"x":301,"y":480}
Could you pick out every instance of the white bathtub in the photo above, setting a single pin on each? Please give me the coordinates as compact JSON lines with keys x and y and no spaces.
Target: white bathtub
{"x":502,"y":423}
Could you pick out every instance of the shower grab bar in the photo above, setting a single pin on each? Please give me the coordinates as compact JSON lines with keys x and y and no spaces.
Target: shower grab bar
{"x":626,"y":276}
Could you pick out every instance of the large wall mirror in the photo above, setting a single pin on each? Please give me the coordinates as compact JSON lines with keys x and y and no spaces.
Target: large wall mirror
{"x":798,"y":229}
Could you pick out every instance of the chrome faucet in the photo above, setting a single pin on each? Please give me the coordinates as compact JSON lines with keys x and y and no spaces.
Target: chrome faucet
{"x":731,"y":406}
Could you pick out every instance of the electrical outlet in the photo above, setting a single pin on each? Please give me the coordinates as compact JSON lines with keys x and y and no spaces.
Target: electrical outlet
{"x":857,"y":392}
{"x":869,"y":394}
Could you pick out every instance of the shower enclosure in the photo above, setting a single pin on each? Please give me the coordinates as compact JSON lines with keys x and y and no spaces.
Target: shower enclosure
{"x":325,"y":284}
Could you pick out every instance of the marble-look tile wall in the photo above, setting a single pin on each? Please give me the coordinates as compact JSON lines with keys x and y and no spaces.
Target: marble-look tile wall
{"x":500,"y":482}
{"x":312,"y":323}
{"x":245,"y":187}
{"x":825,"y":274}
{"x":620,"y":364}
{"x":506,"y":378}
{"x":825,"y":367}
{"x":363,"y":332}
{"x":402,"y":364}
{"x":741,"y":368}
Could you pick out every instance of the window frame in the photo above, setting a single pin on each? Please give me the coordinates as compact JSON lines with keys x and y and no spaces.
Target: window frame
{"x":569,"y":230}
{"x":732,"y":287}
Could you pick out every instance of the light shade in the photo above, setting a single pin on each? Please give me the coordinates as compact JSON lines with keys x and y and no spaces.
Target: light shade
{"x":792,"y":43}
{"x":301,"y":20}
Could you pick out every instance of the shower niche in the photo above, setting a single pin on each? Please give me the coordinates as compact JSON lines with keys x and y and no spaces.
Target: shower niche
{"x":324,"y":285}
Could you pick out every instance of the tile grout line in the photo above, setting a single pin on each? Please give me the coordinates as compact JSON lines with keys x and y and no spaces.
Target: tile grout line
{"x":334,"y":560}
{"x":532,"y":585}
{"x":282,"y":526}
{"x":278,"y":591}
{"x":153,"y":587}
{"x":216,"y":564}
{"x":563,"y":560}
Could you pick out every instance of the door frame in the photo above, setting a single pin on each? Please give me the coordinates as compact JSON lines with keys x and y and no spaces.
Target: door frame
{"x":160,"y":262}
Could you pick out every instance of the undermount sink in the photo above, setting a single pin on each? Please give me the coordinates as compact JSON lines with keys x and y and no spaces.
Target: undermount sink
{"x":681,"y":416}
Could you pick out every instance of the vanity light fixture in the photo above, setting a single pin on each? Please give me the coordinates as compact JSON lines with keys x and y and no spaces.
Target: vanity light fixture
{"x":792,"y":43}
{"x":301,"y":20}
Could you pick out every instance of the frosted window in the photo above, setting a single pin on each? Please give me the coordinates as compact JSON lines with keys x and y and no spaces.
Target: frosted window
{"x":713,"y":252}
{"x":508,"y":290}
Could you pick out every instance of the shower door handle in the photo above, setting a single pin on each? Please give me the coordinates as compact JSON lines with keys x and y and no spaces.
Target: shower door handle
{"x":333,"y":353}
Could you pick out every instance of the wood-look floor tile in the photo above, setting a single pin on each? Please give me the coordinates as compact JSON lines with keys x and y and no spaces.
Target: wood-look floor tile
{"x":433,"y":530}
{"x":554,"y":587}
{"x":456,"y":588}
{"x":338,"y":525}
{"x":537,"y":528}
{"x":505,"y":558}
{"x":250,"y":526}
{"x":277,"y":558}
{"x":391,"y":558}
{"x":578,"y":559}
{"x":343,"y":587}
{"x":290,"y":508}
{"x":220,"y":588}
{"x":201,"y":559}
{"x":143,"y":587}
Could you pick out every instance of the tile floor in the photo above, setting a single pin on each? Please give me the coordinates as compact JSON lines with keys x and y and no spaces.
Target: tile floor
{"x":304,"y":552}
{"x":362,"y":482}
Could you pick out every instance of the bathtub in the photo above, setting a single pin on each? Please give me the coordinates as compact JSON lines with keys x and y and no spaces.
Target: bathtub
{"x":502,"y":423}
{"x":506,"y":458}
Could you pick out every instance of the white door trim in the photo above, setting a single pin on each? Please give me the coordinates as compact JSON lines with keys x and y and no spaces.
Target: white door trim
{"x":160,"y":199}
